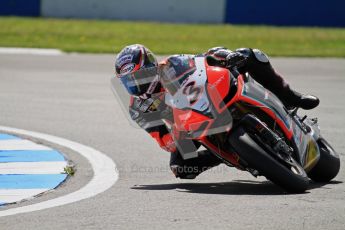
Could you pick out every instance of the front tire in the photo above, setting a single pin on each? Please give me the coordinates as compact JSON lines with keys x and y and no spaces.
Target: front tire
{"x":328,"y":165}
{"x":292,"y":180}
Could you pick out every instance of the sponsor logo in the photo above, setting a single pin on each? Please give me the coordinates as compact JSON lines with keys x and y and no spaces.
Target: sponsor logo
{"x":127,"y":68}
{"x":124,"y":60}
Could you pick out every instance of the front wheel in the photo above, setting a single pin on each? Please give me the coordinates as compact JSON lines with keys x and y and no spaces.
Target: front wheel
{"x":291,"y":176}
{"x":328,"y":165}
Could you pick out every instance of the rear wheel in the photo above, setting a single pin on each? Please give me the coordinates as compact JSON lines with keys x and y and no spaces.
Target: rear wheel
{"x":328,"y":165}
{"x":289,"y":175}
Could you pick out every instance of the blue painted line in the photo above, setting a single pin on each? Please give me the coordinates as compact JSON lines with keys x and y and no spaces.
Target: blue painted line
{"x":8,"y":137}
{"x":30,"y":156}
{"x":30,"y":181}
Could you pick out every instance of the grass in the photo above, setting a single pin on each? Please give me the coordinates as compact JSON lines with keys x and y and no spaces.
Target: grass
{"x":69,"y":170}
{"x":95,"y":36}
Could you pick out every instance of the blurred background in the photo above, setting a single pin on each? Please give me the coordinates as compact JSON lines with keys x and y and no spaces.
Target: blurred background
{"x":281,"y":28}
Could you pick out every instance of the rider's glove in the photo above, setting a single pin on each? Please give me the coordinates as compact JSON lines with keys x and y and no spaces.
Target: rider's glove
{"x":217,"y":57}
{"x":235,"y":59}
{"x":225,"y":58}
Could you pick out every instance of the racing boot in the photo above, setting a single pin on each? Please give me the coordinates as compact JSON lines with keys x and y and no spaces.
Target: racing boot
{"x":296,"y":99}
{"x":191,"y":168}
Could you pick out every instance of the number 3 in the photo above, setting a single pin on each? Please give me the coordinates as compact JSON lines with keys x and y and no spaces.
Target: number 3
{"x":192,"y":92}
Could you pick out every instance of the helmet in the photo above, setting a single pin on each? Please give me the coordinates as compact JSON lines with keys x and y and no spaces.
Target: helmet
{"x":136,"y":67}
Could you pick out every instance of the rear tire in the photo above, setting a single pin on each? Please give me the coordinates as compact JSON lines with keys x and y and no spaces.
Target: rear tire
{"x":256,"y":157}
{"x":328,"y":165}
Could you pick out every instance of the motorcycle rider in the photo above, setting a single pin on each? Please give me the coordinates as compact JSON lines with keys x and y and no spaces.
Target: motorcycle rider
{"x":136,"y":67}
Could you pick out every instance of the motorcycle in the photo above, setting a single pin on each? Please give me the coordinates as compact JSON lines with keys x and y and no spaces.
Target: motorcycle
{"x":247,"y":127}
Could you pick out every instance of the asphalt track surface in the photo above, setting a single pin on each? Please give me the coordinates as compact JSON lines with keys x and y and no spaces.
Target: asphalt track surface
{"x":69,"y":96}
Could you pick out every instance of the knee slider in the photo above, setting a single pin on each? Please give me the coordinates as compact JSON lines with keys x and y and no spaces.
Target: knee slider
{"x":260,"y":56}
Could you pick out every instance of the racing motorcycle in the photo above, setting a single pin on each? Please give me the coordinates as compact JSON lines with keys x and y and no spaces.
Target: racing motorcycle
{"x":239,"y":121}
{"x":246,"y":126}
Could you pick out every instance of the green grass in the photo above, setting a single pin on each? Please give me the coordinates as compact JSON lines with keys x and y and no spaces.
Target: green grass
{"x":111,"y":36}
{"x":69,"y":170}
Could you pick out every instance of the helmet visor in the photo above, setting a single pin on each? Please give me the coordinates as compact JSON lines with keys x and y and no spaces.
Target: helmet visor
{"x":135,"y":81}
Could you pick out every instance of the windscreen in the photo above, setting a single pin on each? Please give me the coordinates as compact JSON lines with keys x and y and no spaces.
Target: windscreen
{"x":175,"y":72}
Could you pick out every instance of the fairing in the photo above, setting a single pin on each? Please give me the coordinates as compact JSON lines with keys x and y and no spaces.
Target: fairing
{"x":303,"y":140}
{"x":196,"y":106}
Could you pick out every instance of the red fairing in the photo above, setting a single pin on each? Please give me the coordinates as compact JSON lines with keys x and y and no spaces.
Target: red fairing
{"x":219,"y":78}
{"x":166,"y":142}
{"x":218,"y":84}
{"x":188,"y":120}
